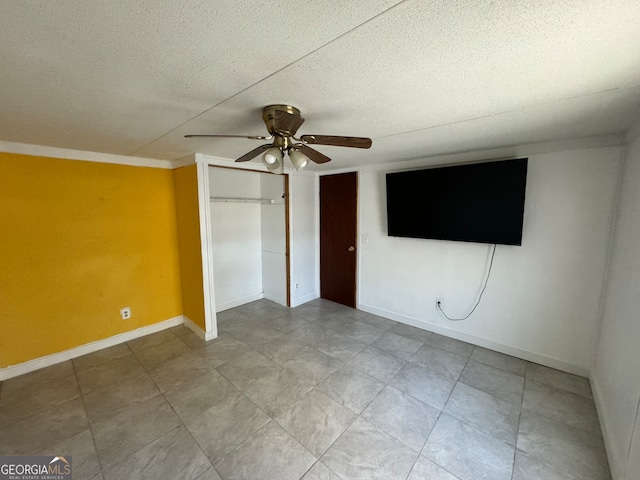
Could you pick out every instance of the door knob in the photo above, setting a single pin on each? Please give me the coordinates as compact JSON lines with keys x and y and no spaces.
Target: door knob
{"x":351,"y":248}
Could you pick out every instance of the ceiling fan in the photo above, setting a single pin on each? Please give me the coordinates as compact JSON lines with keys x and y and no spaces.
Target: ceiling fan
{"x":282,"y":122}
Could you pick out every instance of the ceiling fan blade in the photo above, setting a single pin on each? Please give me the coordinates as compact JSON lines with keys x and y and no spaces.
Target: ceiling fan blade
{"x":252,"y":137}
{"x":313,"y":155}
{"x":355,"y":142}
{"x":254,"y":153}
{"x":287,"y":123}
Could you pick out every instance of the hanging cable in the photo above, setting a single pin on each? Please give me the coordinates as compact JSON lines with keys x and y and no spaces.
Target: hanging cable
{"x":486,"y":281}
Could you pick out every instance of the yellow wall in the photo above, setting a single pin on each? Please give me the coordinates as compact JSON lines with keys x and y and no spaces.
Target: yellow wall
{"x":78,"y":241}
{"x":186,"y":188}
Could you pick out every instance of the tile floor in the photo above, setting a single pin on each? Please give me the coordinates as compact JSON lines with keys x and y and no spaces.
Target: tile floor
{"x":318,"y":392}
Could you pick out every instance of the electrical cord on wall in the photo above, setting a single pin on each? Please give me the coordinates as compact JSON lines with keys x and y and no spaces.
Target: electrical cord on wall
{"x":486,"y":281}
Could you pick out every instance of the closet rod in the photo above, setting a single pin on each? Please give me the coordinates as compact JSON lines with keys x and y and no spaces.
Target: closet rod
{"x":242,"y":199}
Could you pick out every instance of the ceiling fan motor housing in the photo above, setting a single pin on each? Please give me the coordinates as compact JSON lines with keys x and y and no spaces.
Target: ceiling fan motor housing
{"x":270,"y":118}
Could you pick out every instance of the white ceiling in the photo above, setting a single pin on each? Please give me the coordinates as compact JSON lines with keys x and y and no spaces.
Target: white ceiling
{"x":421,"y":77}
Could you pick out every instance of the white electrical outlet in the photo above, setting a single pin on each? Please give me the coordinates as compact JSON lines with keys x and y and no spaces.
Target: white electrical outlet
{"x":125,"y":313}
{"x":297,"y":285}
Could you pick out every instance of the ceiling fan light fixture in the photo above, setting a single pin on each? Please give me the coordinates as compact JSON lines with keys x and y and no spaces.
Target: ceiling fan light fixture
{"x":298,"y":159}
{"x":272,"y":156}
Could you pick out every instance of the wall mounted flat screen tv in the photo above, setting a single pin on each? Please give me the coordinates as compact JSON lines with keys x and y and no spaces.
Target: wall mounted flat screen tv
{"x":481,"y":202}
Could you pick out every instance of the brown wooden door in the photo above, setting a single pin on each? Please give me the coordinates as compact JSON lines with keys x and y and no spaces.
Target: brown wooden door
{"x":338,"y":235}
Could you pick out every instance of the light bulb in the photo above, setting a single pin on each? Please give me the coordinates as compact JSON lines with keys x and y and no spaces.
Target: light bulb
{"x":272,"y":156}
{"x":272,"y":159}
{"x":298,"y":159}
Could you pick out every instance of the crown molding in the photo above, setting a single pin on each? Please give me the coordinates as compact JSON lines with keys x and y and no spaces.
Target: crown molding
{"x":81,"y":155}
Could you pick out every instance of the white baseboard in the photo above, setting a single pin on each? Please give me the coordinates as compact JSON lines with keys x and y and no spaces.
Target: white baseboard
{"x":206,"y":336}
{"x":296,"y":302}
{"x":53,"y":359}
{"x":481,"y":342}
{"x":614,"y":460}
{"x":221,"y":307}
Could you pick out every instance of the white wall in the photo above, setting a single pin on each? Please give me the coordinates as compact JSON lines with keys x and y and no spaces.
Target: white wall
{"x":236,"y":238}
{"x":616,"y":373}
{"x":304,"y":221}
{"x":273,"y":234}
{"x":543,"y":298}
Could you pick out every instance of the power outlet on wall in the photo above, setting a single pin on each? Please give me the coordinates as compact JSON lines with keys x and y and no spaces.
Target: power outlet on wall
{"x":125,"y":313}
{"x":439,"y":303}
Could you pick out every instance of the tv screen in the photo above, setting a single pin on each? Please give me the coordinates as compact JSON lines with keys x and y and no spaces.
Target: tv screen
{"x":481,"y":202}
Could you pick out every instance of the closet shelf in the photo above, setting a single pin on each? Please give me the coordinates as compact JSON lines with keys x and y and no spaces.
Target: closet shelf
{"x":242,"y":200}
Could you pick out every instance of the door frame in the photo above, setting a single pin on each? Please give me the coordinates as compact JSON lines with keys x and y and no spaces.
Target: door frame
{"x":357,"y":240}
{"x":203,"y":162}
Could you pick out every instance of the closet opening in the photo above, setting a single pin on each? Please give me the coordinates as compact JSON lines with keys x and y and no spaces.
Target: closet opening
{"x":249,"y":236}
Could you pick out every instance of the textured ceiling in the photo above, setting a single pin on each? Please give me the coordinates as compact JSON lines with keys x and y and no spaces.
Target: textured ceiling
{"x":420,"y":77}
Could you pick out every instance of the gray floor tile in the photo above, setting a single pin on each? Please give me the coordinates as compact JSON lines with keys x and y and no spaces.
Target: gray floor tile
{"x":316,"y":421}
{"x":151,"y":340}
{"x":467,"y":452}
{"x":340,"y":346}
{"x":233,"y":315}
{"x":561,"y":405}
{"x":351,"y":388}
{"x":485,"y":412}
{"x":141,"y":433}
{"x":194,"y":397}
{"x":499,"y":360}
{"x":311,"y":334}
{"x":101,"y":356}
{"x":181,"y":331}
{"x":269,"y":454}
{"x":361,"y":331}
{"x":375,"y":320}
{"x":181,"y":369}
{"x":377,"y":363}
{"x":527,"y":467}
{"x":398,"y":345}
{"x":193,"y":341}
{"x":155,"y":356}
{"x":562,"y":447}
{"x":84,"y":462}
{"x":209,"y":474}
{"x":25,"y":385}
{"x":424,"y":385}
{"x":253,"y":334}
{"x":451,"y":345}
{"x":365,"y":452}
{"x":556,"y":378}
{"x":288,"y":322}
{"x":496,"y":382}
{"x":403,"y":416}
{"x":174,"y":455}
{"x":320,"y":472}
{"x":411,"y":332}
{"x":306,"y":362}
{"x":31,"y":398}
{"x":109,"y":372}
{"x":109,"y":401}
{"x":277,"y":391}
{"x":425,"y":469}
{"x":44,"y":429}
{"x":132,"y":429}
{"x":440,"y":362}
{"x":335,"y":321}
{"x":226,"y":425}
{"x":223,"y":349}
{"x":247,"y":368}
